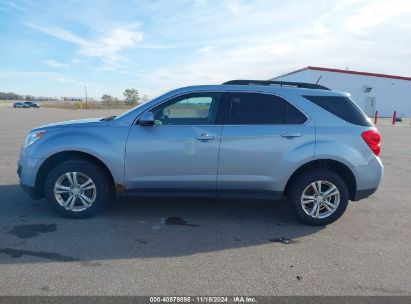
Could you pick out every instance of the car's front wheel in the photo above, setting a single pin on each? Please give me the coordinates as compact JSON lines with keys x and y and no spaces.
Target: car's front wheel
{"x":77,"y":188}
{"x":318,"y":197}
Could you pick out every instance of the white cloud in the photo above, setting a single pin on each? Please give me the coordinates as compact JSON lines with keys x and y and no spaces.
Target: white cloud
{"x":212,"y":67}
{"x":376,"y":13}
{"x":233,"y":6}
{"x":344,"y":3}
{"x":248,"y":47}
{"x":42,"y":75}
{"x":318,"y":28}
{"x":59,"y":33}
{"x":206,"y":49}
{"x":55,"y":64}
{"x":194,"y":42}
{"x":107,"y":47}
{"x":13,"y":5}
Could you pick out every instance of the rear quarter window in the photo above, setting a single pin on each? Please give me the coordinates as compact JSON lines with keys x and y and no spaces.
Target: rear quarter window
{"x":294,"y":116}
{"x":342,"y":107}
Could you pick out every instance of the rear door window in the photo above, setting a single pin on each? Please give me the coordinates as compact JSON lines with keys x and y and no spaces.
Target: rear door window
{"x":342,"y":107}
{"x":260,"y":109}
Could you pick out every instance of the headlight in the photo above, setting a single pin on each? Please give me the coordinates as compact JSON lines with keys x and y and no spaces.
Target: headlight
{"x":33,"y":137}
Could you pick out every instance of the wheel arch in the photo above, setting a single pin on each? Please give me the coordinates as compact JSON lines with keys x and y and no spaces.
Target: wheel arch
{"x":59,"y":157}
{"x":329,"y":165}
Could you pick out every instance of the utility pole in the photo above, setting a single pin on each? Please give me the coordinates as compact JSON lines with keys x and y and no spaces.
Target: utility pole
{"x":85,"y":88}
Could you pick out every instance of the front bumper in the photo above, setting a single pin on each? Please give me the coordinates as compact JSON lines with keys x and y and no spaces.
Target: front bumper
{"x":31,"y":191}
{"x":27,"y":168}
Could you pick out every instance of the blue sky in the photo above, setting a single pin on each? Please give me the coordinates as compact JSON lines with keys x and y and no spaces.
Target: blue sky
{"x":55,"y":48}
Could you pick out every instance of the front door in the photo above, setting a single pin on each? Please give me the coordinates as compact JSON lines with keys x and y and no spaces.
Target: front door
{"x":181,"y":150}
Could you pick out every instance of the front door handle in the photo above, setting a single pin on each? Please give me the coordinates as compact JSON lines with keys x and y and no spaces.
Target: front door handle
{"x":205,"y":137}
{"x":291,"y":134}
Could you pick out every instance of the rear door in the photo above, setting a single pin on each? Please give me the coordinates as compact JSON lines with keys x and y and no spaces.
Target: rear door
{"x":264,"y":137}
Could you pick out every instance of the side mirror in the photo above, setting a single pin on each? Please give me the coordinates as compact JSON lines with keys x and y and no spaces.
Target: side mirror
{"x":147,"y":119}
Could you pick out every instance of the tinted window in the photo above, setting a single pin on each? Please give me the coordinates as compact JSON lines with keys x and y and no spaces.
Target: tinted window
{"x":190,"y":109}
{"x":343,"y":107}
{"x":294,"y":116}
{"x":254,"y":108}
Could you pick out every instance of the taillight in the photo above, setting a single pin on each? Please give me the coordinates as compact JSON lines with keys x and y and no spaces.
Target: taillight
{"x":372,"y":139}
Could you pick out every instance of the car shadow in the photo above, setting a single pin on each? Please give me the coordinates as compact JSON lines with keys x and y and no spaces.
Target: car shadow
{"x":141,"y":228}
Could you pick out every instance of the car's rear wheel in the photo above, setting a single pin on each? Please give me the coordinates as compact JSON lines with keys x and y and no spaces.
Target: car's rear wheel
{"x":318,"y":197}
{"x":77,"y":188}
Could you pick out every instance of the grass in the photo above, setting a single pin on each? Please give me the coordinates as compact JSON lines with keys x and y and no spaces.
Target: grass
{"x":72,"y":105}
{"x":82,"y":105}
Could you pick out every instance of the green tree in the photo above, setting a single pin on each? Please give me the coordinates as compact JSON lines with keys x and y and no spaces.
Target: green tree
{"x":132,"y":96}
{"x":107,"y":100}
{"x":144,"y":98}
{"x":10,"y":96}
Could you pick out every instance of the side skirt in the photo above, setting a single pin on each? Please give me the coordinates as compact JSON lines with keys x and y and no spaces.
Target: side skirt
{"x":204,"y":193}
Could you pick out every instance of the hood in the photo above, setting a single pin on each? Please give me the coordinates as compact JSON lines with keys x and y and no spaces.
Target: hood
{"x":71,"y":123}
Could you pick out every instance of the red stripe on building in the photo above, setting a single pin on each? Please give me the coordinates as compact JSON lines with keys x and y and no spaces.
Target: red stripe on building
{"x":345,"y":72}
{"x":358,"y":73}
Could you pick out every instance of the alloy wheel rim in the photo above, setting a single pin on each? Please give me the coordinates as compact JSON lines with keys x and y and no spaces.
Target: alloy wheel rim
{"x":320,"y":199}
{"x":75,"y":191}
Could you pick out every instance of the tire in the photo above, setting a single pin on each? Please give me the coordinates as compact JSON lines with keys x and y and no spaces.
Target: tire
{"x":89,"y":197}
{"x":318,"y":210}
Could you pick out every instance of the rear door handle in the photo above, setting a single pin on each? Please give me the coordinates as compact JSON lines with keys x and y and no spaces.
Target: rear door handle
{"x":205,"y":137}
{"x":291,"y":134}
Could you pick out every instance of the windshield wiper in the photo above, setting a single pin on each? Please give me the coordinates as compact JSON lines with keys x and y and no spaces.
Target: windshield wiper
{"x":108,"y":118}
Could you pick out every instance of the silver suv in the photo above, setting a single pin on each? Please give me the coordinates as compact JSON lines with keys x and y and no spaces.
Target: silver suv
{"x":244,"y":138}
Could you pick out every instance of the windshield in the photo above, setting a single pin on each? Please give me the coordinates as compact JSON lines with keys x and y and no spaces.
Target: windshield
{"x":129,"y":111}
{"x":136,"y":107}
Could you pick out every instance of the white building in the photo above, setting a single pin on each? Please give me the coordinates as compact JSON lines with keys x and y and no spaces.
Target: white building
{"x":371,"y":91}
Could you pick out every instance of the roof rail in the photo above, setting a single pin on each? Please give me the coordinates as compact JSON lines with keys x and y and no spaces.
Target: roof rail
{"x":280,"y":83}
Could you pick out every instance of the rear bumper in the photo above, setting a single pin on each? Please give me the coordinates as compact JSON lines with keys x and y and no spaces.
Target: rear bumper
{"x":369,"y":176}
{"x":361,"y":194}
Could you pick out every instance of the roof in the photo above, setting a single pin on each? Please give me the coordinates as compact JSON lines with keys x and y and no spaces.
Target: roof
{"x":346,"y":72}
{"x":280,"y":83}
